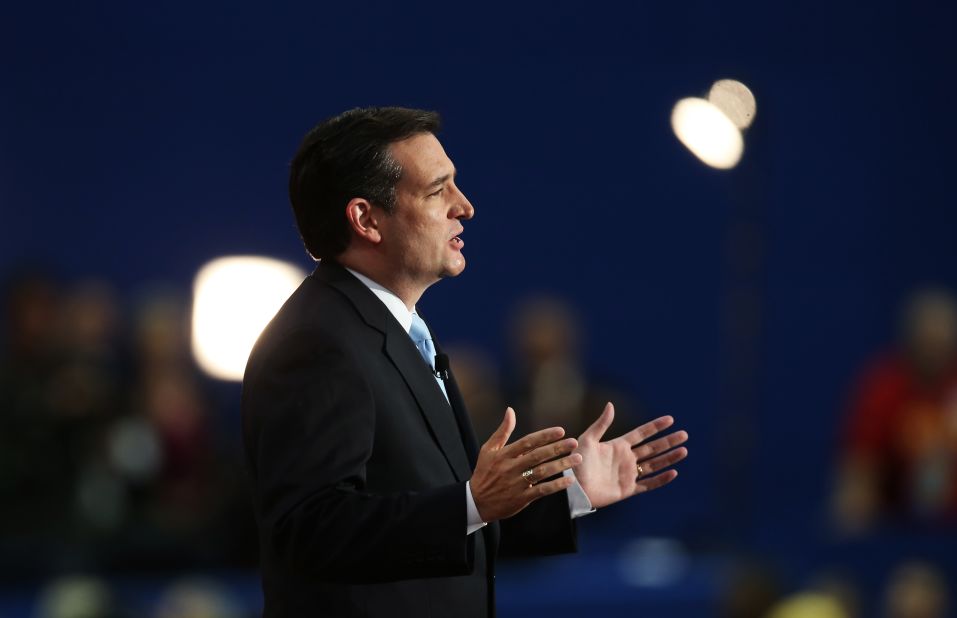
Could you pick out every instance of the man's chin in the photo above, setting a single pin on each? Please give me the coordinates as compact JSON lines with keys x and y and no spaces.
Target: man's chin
{"x":453,"y":270}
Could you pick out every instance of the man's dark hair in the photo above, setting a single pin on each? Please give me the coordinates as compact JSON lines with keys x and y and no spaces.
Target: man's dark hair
{"x":345,"y":157}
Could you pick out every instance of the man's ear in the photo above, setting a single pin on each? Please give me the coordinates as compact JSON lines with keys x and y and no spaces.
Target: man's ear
{"x":363,"y":220}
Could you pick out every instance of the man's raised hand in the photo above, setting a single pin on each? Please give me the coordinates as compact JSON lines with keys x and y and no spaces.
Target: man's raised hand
{"x":609,"y":471}
{"x":499,"y":487}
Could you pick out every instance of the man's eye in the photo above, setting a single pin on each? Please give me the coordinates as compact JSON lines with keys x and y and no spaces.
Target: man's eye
{"x":437,"y":192}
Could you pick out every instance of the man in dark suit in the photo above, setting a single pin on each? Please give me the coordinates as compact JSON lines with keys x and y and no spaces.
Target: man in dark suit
{"x":371,"y":495}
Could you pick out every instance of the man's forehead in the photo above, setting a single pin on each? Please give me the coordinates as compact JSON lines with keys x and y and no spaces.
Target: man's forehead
{"x":422,"y":157}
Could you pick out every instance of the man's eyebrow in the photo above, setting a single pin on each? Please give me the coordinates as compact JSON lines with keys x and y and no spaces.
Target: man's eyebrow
{"x":441,"y":180}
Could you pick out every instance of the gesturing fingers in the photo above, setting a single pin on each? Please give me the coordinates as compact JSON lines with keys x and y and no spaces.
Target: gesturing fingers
{"x":656,"y":464}
{"x":508,"y":477}
{"x":548,"y":451}
{"x":640,"y":434}
{"x":500,"y":438}
{"x":597,"y":429}
{"x":643,"y":451}
{"x":654,"y":482}
{"x":533,"y":441}
{"x":540,"y":490}
{"x":541,"y":472}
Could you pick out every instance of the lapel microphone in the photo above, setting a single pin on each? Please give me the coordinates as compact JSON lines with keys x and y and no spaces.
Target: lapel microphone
{"x":442,"y":366}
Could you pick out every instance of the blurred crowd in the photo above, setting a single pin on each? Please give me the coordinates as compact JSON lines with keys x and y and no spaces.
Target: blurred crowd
{"x":87,"y":596}
{"x":117,"y":456}
{"x":111,"y":450}
{"x":914,"y":589}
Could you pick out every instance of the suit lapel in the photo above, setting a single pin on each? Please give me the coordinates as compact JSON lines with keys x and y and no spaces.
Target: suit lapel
{"x":431,"y":401}
{"x":408,"y":362}
{"x":491,"y":532}
{"x":461,"y":414}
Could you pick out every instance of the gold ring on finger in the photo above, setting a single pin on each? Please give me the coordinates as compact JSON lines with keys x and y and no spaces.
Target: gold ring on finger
{"x":527,"y":476}
{"x":641,"y":471}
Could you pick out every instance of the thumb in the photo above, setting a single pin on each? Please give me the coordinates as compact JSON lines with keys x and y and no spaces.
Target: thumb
{"x":504,"y":431}
{"x":601,"y":424}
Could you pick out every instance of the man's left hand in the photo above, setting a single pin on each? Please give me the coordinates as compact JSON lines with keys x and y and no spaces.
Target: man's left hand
{"x":609,"y":471}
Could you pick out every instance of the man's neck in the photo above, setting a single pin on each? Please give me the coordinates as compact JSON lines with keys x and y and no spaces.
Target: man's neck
{"x":408,"y":292}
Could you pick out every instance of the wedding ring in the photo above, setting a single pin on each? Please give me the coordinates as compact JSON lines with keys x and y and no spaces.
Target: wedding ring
{"x":641,"y":472}
{"x":527,"y":476}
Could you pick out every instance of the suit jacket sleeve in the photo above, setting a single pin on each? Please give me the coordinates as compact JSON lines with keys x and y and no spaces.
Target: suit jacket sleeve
{"x":544,"y":527}
{"x":309,"y":420}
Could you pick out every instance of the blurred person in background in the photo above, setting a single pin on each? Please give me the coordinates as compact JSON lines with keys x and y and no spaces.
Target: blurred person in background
{"x":478,"y":379}
{"x":552,"y":386}
{"x":808,"y":605}
{"x":174,"y":464}
{"x":77,"y":596}
{"x":841,"y":586}
{"x":916,"y":590}
{"x":34,"y":491}
{"x":751,"y":589}
{"x":196,"y":598}
{"x":87,"y":385}
{"x":899,"y":459}
{"x":169,"y":398}
{"x":88,"y":390}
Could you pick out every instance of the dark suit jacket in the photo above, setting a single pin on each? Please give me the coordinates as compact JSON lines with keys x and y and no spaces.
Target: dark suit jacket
{"x":359,"y":465}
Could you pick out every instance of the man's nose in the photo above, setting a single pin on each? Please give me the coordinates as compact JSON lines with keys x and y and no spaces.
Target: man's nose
{"x":465,"y":208}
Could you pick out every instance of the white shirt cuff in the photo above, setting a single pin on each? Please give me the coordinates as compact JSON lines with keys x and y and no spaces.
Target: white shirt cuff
{"x":578,"y":503}
{"x":473,"y":521}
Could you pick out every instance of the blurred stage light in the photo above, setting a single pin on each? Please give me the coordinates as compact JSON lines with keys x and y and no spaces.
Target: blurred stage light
{"x":233,"y":300}
{"x":653,"y":562}
{"x":735,"y":100}
{"x":808,"y":605}
{"x":704,"y":129}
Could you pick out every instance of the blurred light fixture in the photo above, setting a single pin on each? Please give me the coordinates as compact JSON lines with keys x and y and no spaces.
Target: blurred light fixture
{"x":712,"y":128}
{"x":233,"y":300}
{"x":808,"y":605}
{"x":653,"y":562}
{"x":707,"y":133}
{"x":735,"y":100}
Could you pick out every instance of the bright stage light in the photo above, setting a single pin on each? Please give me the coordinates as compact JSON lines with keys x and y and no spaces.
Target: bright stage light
{"x":233,"y":300}
{"x":707,"y":132}
{"x":735,"y":100}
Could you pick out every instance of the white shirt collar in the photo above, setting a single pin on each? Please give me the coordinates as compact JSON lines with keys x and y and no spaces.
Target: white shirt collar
{"x":392,"y":302}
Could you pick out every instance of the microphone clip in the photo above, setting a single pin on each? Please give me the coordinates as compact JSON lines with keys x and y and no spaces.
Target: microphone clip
{"x":441,"y":370}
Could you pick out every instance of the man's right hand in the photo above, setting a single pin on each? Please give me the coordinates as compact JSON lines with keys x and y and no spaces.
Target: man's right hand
{"x":497,"y":485}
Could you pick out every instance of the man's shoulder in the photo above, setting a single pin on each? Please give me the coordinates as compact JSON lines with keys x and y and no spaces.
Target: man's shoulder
{"x":314,"y":312}
{"x":314,"y":306}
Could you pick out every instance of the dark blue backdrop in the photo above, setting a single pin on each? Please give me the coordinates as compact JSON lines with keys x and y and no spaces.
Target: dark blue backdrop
{"x":138,"y":141}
